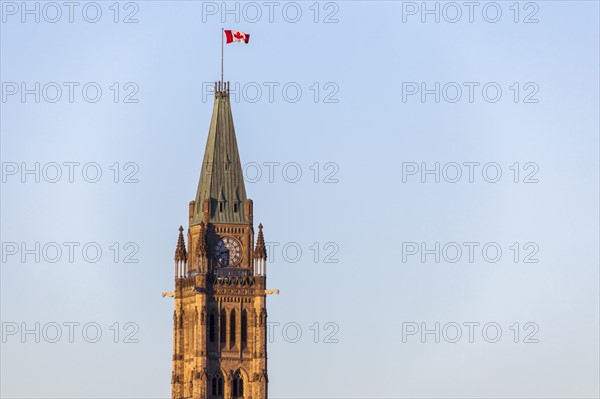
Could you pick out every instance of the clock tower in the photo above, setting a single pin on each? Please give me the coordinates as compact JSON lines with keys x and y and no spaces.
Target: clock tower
{"x":220,"y":317}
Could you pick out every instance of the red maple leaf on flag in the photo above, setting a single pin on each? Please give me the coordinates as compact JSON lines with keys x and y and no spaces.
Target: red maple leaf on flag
{"x":236,"y":36}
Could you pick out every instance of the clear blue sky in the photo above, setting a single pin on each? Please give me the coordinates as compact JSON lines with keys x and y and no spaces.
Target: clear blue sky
{"x":362,"y":134}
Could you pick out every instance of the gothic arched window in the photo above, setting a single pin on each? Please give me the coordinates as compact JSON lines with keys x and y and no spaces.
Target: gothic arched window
{"x":237,"y":386}
{"x":232,"y":328}
{"x":216,"y":389}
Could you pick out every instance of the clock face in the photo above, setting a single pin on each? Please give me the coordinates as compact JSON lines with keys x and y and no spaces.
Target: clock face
{"x":228,"y":251}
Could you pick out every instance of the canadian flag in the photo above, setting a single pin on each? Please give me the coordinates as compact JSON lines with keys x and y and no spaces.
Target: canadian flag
{"x":236,"y":36}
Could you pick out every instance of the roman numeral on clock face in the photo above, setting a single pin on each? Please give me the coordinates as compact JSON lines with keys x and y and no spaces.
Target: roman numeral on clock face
{"x":228,"y":251}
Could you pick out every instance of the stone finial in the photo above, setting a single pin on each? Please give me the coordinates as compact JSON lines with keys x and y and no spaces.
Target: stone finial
{"x":201,"y":249}
{"x":260,"y":252}
{"x":180,"y":252}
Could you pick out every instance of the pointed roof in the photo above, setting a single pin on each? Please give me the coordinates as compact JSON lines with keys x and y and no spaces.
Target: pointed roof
{"x":180,"y":252}
{"x":221,"y":178}
{"x":260,"y":252}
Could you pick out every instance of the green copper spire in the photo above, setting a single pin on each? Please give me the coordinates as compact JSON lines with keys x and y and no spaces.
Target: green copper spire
{"x":221,"y":178}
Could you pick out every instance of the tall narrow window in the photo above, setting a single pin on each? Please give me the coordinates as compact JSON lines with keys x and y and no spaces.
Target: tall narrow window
{"x":244,"y":328}
{"x":237,"y":386}
{"x":232,"y":328}
{"x":235,"y":207}
{"x":216,"y":389}
{"x":220,"y":207}
{"x":223,"y":328}
{"x":211,"y":328}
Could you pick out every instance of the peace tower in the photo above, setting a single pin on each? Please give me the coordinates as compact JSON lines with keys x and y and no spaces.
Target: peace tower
{"x":220,"y":317}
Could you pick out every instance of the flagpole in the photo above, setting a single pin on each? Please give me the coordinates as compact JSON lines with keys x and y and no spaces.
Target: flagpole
{"x":222,"y":46}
